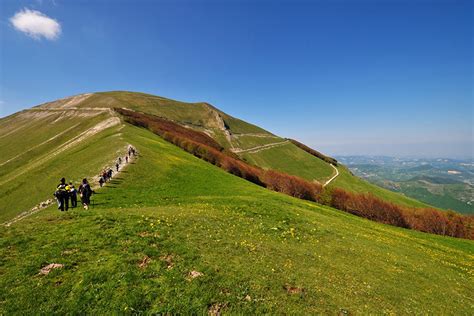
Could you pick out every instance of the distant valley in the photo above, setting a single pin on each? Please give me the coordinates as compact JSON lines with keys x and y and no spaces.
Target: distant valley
{"x":444,"y":183}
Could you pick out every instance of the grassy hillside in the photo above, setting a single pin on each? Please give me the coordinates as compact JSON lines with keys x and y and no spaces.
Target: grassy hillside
{"x":291,"y":159}
{"x":48,"y":145}
{"x":444,"y":195}
{"x":257,"y":251}
{"x":237,"y":135}
{"x":198,"y":115}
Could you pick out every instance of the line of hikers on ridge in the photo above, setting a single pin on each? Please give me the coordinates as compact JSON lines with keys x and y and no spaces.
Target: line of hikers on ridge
{"x":65,"y":191}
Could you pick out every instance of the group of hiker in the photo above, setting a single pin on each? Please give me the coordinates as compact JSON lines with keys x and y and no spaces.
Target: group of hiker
{"x":65,"y":192}
{"x":105,"y":176}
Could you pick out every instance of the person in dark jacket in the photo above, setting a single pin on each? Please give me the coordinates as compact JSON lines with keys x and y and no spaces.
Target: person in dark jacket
{"x":73,"y":195}
{"x":62,"y":194}
{"x":85,"y":192}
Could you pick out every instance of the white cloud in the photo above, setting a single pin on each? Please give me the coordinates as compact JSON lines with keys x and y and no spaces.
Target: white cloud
{"x":35,"y":24}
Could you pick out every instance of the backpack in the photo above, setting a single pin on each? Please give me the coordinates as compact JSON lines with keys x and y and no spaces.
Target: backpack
{"x":86,"y":190}
{"x":60,"y":191}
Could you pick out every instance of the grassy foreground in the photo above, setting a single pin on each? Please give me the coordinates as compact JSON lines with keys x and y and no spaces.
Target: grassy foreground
{"x":258,"y":251}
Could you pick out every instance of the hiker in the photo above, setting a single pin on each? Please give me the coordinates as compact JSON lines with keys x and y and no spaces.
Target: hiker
{"x":101,"y":181}
{"x":62,"y":194}
{"x":105,"y":176}
{"x":85,"y":192}
{"x":126,"y":159}
{"x":117,"y":166}
{"x":73,"y":194}
{"x":109,"y":173}
{"x":119,"y":160}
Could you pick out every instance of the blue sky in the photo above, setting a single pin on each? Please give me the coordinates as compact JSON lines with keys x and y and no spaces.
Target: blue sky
{"x":345,"y":77}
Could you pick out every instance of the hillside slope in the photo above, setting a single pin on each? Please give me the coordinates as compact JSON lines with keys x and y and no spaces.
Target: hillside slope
{"x":250,"y":142}
{"x":174,"y":234}
{"x":39,"y":146}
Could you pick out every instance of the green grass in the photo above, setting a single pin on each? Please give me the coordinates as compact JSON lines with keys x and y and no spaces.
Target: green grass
{"x":36,"y":133}
{"x":248,"y":242}
{"x":290,"y":159}
{"x":238,"y":126}
{"x":440,"y":195}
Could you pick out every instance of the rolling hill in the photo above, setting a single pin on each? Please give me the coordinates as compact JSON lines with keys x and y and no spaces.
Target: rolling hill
{"x":174,"y":234}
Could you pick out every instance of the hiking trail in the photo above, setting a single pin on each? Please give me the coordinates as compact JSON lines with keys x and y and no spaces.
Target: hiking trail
{"x":333,"y":177}
{"x":93,"y":183}
{"x":259,"y":148}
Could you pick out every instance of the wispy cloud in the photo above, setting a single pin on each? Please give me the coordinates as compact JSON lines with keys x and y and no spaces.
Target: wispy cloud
{"x":36,"y":24}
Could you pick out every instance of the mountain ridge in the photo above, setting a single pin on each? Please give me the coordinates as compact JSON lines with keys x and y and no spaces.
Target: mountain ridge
{"x":252,"y":143}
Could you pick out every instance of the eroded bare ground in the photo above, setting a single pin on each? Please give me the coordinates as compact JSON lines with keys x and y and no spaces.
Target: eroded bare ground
{"x":35,"y":209}
{"x":220,"y":124}
{"x":109,"y":122}
{"x":67,"y":102}
{"x":41,"y":144}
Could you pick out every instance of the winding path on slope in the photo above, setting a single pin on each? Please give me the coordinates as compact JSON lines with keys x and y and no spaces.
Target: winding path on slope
{"x":333,"y":177}
{"x":259,"y":148}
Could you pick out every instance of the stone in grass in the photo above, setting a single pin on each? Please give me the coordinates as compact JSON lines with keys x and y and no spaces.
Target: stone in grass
{"x":144,"y":262}
{"x":194,"y":274}
{"x":216,"y":309}
{"x":168,"y":259}
{"x":293,"y":289}
{"x":45,"y":270}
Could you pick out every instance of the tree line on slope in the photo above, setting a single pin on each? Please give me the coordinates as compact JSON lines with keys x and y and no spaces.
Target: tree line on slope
{"x":364,"y":205}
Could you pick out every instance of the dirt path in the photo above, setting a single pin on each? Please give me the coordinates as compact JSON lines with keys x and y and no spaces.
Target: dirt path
{"x":259,"y":148}
{"x":261,"y":135}
{"x":44,"y":204}
{"x":333,"y":177}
